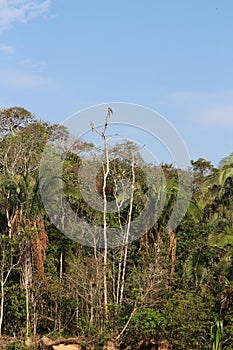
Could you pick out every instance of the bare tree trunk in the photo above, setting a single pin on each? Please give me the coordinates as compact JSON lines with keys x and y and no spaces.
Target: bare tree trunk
{"x":27,"y":309}
{"x":172,"y":250}
{"x":2,"y":304}
{"x":119,"y":206}
{"x":61,"y":266}
{"x":8,"y":219}
{"x":121,"y":253}
{"x":128,"y":229}
{"x":106,"y":172}
{"x":91,"y":303}
{"x":27,"y":282}
{"x":77,"y":310}
{"x":55,"y":316}
{"x":119,"y":276}
{"x":34,"y":318}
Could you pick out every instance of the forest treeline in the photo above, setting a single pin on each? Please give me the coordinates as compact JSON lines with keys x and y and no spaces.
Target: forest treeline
{"x":174,"y":285}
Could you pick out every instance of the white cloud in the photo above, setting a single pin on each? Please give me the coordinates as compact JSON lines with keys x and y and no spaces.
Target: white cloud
{"x":15,"y":11}
{"x":33,"y":64}
{"x":201,"y":96}
{"x":21,"y":79}
{"x":220,"y":116}
{"x":6,"y":48}
{"x":211,"y":109}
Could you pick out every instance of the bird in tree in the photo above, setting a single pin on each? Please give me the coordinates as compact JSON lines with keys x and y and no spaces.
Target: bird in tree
{"x":107,"y":118}
{"x":110,"y":111}
{"x":92,"y":126}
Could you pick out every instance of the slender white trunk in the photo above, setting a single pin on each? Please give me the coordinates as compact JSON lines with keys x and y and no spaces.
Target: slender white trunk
{"x":27,"y":307}
{"x":61,"y":266}
{"x":2,"y":304}
{"x":92,"y":303}
{"x":119,"y":277}
{"x":119,"y":205}
{"x":128,"y":230}
{"x":106,"y":173}
{"x":27,"y":282}
{"x":34,"y":318}
{"x":8,"y":218}
{"x":77,"y":309}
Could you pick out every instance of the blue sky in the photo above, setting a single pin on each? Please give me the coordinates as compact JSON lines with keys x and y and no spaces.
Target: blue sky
{"x":174,"y":56}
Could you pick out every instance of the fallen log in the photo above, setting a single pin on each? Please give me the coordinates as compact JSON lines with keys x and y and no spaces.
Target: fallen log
{"x":48,"y":344}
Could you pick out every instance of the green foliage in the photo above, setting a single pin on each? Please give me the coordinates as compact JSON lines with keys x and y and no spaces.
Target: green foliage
{"x":67,"y":299}
{"x":15,"y":312}
{"x":148,"y":323}
{"x":189,"y":318}
{"x":216,"y":335}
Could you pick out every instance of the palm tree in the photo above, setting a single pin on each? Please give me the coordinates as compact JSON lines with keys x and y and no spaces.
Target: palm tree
{"x":217,"y":193}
